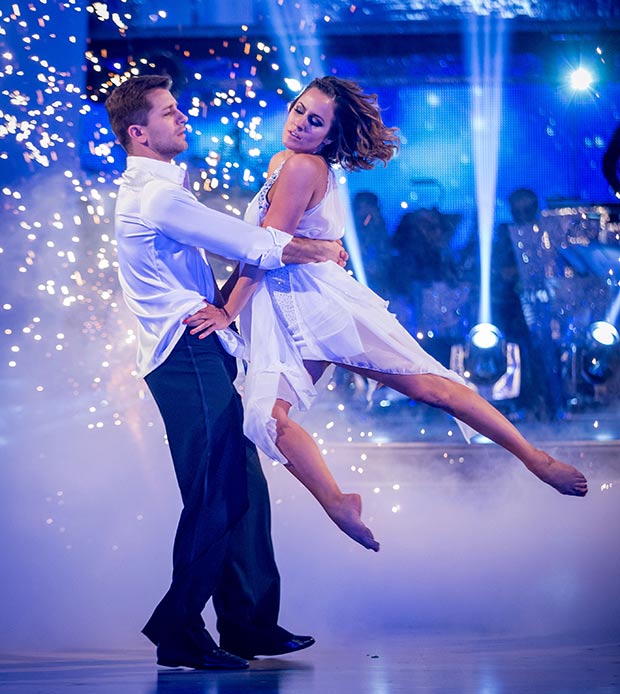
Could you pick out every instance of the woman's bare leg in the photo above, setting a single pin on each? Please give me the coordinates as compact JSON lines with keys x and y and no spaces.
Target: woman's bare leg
{"x":466,"y":405}
{"x":307,"y":465}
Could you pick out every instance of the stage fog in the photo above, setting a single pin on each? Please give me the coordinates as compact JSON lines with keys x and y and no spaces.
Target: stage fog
{"x":478,"y":545}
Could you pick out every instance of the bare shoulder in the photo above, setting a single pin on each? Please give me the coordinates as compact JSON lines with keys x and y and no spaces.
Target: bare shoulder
{"x":305,"y":165}
{"x":309,"y":171}
{"x":303,"y":178}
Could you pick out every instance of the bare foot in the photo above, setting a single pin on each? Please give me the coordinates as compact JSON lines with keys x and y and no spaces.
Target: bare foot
{"x":561,"y":476}
{"x":346,"y":514}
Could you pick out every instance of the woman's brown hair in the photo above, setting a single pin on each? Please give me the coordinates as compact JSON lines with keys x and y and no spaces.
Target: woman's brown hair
{"x":359,"y":137}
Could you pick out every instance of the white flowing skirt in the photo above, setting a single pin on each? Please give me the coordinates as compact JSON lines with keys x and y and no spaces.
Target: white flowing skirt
{"x":318,"y":312}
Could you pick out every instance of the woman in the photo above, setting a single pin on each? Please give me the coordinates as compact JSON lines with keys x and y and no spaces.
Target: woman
{"x":298,"y":319}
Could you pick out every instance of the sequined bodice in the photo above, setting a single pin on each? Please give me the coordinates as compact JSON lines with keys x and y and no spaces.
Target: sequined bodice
{"x":323,"y":221}
{"x":261,"y":198}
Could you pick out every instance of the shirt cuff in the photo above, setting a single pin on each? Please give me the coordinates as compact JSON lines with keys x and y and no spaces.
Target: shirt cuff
{"x":273,"y":257}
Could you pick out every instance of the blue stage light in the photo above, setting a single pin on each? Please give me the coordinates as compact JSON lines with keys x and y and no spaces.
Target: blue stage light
{"x":599,"y":357}
{"x":581,"y":79}
{"x":486,"y":359}
{"x":596,"y":364}
{"x":604,"y":333}
{"x":485,"y":336}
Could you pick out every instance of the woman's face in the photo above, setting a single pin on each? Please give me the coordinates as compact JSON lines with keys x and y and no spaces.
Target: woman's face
{"x":309,"y":122}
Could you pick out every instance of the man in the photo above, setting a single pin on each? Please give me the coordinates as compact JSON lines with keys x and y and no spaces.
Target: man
{"x":222,"y":547}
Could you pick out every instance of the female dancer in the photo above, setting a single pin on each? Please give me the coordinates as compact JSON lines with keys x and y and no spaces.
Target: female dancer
{"x":300,"y":318}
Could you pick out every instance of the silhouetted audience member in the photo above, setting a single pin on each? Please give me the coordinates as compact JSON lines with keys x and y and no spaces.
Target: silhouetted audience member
{"x":429,"y":297}
{"x":611,"y":162}
{"x":374,"y":241}
{"x":422,"y":249}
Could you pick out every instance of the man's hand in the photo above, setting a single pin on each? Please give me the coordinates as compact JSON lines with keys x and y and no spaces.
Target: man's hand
{"x":343,"y":256}
{"x":301,"y":250}
{"x":207,"y":320}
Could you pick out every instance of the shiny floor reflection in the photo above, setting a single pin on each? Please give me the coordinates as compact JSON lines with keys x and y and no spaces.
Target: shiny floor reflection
{"x":379,"y":665}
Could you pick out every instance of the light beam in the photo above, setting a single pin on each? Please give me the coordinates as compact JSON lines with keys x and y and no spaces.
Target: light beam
{"x":486,"y":59}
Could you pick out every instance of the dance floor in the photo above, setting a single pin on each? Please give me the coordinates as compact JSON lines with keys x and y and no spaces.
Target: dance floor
{"x":368,"y":664}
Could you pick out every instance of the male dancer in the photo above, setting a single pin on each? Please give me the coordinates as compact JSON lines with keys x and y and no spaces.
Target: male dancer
{"x":222,"y":547}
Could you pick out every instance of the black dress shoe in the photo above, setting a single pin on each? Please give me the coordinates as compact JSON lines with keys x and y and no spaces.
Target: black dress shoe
{"x":209,"y":659}
{"x":278,"y":643}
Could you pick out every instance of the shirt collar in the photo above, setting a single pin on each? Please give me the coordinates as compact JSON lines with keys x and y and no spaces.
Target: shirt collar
{"x":163,"y":169}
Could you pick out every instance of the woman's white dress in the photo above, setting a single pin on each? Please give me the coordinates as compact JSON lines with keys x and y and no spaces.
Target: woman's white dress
{"x":317,"y":312}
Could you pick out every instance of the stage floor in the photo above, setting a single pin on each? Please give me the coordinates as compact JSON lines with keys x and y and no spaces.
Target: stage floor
{"x":381,"y":665}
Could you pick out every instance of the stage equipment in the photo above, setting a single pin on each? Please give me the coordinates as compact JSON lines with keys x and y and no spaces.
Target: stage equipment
{"x":485,"y":336}
{"x":488,"y":363}
{"x":583,"y":223}
{"x":599,"y":352}
{"x":604,"y":333}
{"x":581,"y":79}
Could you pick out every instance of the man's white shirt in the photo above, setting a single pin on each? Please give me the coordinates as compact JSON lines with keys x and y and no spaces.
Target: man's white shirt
{"x":161,"y":231}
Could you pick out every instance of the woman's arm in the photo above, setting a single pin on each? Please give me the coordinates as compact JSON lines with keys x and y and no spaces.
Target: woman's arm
{"x":301,"y":184}
{"x":242,"y":292}
{"x":230,"y":283}
{"x":292,"y":194}
{"x":211,"y":318}
{"x":303,"y":178}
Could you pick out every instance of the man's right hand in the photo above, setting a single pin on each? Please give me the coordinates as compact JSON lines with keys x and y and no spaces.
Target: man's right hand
{"x":343,"y":256}
{"x":301,"y":250}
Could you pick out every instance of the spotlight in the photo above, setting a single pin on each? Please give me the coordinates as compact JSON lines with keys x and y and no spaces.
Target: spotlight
{"x":595,"y":364}
{"x":486,"y":357}
{"x":581,"y":79}
{"x":599,"y":352}
{"x":485,"y":336}
{"x":604,"y":333}
{"x":491,"y":365}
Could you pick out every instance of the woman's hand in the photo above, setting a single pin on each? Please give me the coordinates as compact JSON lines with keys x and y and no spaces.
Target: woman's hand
{"x":207,"y":320}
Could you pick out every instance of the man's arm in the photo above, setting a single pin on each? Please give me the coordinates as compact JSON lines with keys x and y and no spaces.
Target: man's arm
{"x":176,"y":213}
{"x":301,"y":250}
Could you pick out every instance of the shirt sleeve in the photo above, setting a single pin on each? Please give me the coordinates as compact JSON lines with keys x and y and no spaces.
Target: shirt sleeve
{"x":176,"y":213}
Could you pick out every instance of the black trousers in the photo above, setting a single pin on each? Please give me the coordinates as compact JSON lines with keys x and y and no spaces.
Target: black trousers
{"x":222,"y":547}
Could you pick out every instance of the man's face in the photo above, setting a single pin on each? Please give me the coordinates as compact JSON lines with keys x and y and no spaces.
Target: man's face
{"x":164,"y":133}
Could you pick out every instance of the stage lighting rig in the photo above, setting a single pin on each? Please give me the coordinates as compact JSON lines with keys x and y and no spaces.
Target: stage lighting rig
{"x":599,"y":352}
{"x":488,"y":363}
